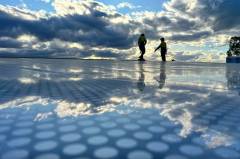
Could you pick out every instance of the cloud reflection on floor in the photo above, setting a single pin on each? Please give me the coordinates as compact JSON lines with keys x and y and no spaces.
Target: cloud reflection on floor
{"x":118,"y":109}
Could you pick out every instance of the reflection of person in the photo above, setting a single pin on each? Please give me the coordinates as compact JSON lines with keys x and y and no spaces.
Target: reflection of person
{"x":142,"y":41}
{"x":162,"y":76}
{"x":163,"y":47}
{"x":141,"y":79}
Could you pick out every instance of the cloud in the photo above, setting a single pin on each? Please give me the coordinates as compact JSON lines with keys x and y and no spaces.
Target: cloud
{"x":127,"y":5}
{"x":9,"y":43}
{"x":93,"y":29}
{"x":217,"y":15}
{"x":190,"y":37}
{"x":97,"y":29}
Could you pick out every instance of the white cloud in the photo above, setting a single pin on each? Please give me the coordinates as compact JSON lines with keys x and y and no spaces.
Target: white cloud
{"x":195,"y":30}
{"x":127,"y":5}
{"x":81,"y":7}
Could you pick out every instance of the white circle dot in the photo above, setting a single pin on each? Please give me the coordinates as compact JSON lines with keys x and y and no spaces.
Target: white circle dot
{"x":15,"y":154}
{"x":108,"y":125}
{"x":144,"y":121}
{"x":171,"y":138}
{"x":139,"y":155}
{"x":106,"y":152}
{"x":19,"y":142}
{"x":24,"y":124}
{"x":91,"y":130}
{"x":65,"y":121}
{"x":4,"y":129}
{"x":167,"y":124}
{"x":26,"y":117}
{"x":116,"y":133}
{"x":48,"y":156}
{"x":74,"y":149}
{"x":126,"y":143}
{"x":156,"y":129}
{"x":157,"y":147}
{"x":136,"y":116}
{"x":67,"y":128}
{"x":98,"y":140}
{"x":227,"y":153}
{"x":2,"y":137}
{"x":6,"y":121}
{"x":191,"y":150}
{"x":102,"y":118}
{"x":45,"y":134}
{"x":22,"y":132}
{"x":86,"y":123}
{"x":113,"y":114}
{"x":71,"y":137}
{"x":45,"y":145}
{"x":158,"y":118}
{"x":45,"y":126}
{"x":143,"y":135}
{"x":123,"y":120}
{"x":131,"y":126}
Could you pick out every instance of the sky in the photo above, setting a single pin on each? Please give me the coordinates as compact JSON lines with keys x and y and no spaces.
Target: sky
{"x":195,"y":30}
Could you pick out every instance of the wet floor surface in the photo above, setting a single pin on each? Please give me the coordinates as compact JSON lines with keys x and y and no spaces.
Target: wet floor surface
{"x":80,"y":109}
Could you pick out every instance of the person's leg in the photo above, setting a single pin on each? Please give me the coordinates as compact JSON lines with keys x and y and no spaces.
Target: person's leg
{"x":163,"y":56}
{"x":140,"y":52}
{"x":143,"y":51}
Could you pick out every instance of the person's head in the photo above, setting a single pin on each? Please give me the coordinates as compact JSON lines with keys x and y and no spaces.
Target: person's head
{"x":142,"y":35}
{"x":162,"y":39}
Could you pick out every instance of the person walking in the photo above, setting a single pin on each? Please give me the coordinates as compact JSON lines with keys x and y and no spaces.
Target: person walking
{"x":163,"y":47}
{"x":142,"y":41}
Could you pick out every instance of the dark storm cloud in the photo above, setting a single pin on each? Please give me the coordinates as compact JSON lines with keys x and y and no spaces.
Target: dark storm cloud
{"x":10,"y":43}
{"x":226,"y":14}
{"x":97,"y":31}
{"x":218,"y":14}
{"x":60,"y":53}
{"x":183,"y":25}
{"x":215,"y":15}
{"x":174,"y":26}
{"x":190,"y":37}
{"x":90,"y":30}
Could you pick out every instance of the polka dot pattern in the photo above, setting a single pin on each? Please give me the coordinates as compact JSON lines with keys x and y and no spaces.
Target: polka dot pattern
{"x":140,"y":155}
{"x":106,"y":152}
{"x":126,"y":143}
{"x":45,"y":145}
{"x":74,"y":149}
{"x":191,"y":150}
{"x":157,"y":147}
{"x":109,"y":119}
{"x":98,"y":140}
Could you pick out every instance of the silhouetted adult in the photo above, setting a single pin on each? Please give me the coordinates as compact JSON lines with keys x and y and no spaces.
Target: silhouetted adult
{"x":142,"y":41}
{"x":163,"y":47}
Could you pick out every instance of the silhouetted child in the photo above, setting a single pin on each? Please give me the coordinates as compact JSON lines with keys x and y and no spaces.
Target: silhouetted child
{"x":142,"y":41}
{"x":163,"y":47}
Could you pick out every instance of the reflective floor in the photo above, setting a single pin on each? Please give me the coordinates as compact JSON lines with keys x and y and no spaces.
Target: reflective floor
{"x":79,"y":109}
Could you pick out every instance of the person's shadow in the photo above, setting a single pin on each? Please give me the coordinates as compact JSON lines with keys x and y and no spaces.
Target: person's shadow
{"x":162,"y":76}
{"x":141,"y":79}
